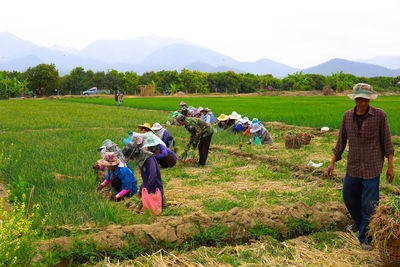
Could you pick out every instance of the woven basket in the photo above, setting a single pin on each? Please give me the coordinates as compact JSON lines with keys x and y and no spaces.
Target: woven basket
{"x":390,"y":254}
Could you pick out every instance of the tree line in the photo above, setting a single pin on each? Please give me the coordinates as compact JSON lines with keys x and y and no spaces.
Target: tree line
{"x":45,"y":79}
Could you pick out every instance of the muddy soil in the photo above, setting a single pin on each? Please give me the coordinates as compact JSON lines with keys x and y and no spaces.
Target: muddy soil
{"x":179,"y":229}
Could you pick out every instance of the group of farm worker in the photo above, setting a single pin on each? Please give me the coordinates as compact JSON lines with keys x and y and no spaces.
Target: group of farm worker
{"x":233,"y":122}
{"x":150,"y":150}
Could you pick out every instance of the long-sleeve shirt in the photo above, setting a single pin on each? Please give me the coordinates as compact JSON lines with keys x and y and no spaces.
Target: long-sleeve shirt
{"x":166,"y":137}
{"x":240,"y":128}
{"x":264,"y":136}
{"x":164,"y":152}
{"x":367,"y":146}
{"x":198,"y":129}
{"x":206,"y":118}
{"x":151,"y":176}
{"x":128,"y":180}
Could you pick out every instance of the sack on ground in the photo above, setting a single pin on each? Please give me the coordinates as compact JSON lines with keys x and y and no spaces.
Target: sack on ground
{"x":152,"y":202}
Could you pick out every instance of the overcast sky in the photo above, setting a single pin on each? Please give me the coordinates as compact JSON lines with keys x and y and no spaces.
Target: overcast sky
{"x":294,"y":32}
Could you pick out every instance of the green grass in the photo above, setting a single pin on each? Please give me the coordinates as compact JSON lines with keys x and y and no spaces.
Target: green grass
{"x":302,"y":111}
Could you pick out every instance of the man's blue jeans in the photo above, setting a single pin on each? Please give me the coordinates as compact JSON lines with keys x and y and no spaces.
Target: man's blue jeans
{"x":361,"y":196}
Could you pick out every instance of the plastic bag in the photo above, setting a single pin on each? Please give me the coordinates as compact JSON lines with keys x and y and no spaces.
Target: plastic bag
{"x":152,"y":202}
{"x":257,"y":141}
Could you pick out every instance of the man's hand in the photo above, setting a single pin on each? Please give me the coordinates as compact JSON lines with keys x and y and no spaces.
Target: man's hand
{"x":329,"y":170}
{"x":390,"y":174}
{"x":101,"y":186}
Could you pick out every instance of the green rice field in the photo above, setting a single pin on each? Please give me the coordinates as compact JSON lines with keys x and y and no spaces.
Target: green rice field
{"x":302,"y":111}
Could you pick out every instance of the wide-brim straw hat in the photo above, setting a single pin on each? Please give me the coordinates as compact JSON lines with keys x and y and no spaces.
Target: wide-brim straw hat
{"x":223,"y":117}
{"x":110,"y":159}
{"x":255,"y":128}
{"x":145,"y":125}
{"x":363,"y":90}
{"x":156,"y":127}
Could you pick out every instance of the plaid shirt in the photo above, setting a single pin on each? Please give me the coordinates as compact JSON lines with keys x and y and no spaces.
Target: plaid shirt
{"x":198,"y":129}
{"x":368,"y":146}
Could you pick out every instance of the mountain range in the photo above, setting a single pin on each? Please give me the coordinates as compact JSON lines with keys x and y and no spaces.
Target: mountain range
{"x":153,"y":53}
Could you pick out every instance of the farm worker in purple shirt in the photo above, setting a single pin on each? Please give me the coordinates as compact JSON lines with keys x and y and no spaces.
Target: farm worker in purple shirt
{"x":164,"y":156}
{"x":367,"y":130}
{"x":164,"y":135}
{"x":242,"y":125}
{"x":148,"y":165}
{"x":121,"y":178}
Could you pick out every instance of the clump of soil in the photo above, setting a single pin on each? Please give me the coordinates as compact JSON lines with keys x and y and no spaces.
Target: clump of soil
{"x":180,"y":229}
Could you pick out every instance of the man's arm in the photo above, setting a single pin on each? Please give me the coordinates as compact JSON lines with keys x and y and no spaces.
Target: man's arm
{"x":331,"y":167}
{"x":390,"y":171}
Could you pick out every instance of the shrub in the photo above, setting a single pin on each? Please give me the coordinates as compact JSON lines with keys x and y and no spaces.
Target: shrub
{"x":18,"y":234}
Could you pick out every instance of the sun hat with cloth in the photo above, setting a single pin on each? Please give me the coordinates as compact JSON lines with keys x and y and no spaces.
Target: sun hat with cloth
{"x":134,"y":151}
{"x":245,"y":120}
{"x":363,"y":90}
{"x":196,"y":111}
{"x":235,"y":116}
{"x":110,"y":159}
{"x":182,"y":104}
{"x":152,"y":141}
{"x":156,"y":126}
{"x":180,"y":117}
{"x":200,"y":109}
{"x":175,"y":113}
{"x":223,"y":117}
{"x":104,"y":144}
{"x":255,"y":121}
{"x":255,"y":128}
{"x":145,"y":125}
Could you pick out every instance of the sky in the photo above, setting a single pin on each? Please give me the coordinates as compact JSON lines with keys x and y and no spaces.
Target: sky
{"x":299,"y":33}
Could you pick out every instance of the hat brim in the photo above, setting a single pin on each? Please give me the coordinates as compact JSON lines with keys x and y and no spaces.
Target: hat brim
{"x":143,"y":126}
{"x":254,"y":130}
{"x":366,"y":96}
{"x":101,"y":148}
{"x":156,"y":128}
{"x":106,"y":163}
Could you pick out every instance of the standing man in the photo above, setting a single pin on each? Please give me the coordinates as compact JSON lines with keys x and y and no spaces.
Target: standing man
{"x":367,"y":130}
{"x":120,"y":96}
{"x":201,"y":133}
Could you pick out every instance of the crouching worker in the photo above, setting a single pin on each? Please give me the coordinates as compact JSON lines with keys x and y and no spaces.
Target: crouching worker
{"x":164,"y":156}
{"x":258,"y":131}
{"x":121,"y":178}
{"x":164,"y":135}
{"x":149,"y":169}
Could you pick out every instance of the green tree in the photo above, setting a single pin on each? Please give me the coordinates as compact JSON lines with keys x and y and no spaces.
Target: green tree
{"x":340,"y":81}
{"x":10,"y":87}
{"x":131,"y":82}
{"x":299,"y":82}
{"x":44,"y":77}
{"x":317,"y":81}
{"x":115,"y":80}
